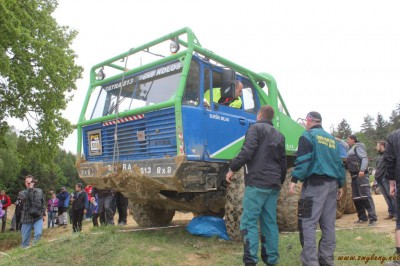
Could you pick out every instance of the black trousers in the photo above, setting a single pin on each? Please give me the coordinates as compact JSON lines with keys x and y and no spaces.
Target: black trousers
{"x":18,"y":223}
{"x":122,"y":207}
{"x":4,"y":221}
{"x":77,"y":216}
{"x":362,"y":198}
{"x":95,"y":217}
{"x":106,"y":214}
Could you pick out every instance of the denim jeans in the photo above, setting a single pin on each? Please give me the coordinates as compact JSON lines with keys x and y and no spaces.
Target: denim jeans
{"x":89,"y":211}
{"x":26,"y":232}
{"x":390,"y":201}
{"x":51,"y":218}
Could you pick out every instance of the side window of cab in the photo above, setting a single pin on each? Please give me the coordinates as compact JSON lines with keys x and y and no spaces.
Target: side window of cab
{"x":249,"y":97}
{"x":192,"y":90}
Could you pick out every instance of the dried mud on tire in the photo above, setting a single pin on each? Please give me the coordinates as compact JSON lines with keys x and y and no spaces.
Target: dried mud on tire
{"x":233,"y":205}
{"x":342,"y":202}
{"x":148,"y":216}
{"x":288,"y":205}
{"x":350,"y":208}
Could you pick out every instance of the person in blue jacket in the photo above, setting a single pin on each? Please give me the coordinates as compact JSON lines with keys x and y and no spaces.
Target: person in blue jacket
{"x":319,"y":166}
{"x":63,"y":203}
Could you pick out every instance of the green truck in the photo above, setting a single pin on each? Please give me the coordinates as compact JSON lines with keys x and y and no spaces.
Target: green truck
{"x":145,"y":129}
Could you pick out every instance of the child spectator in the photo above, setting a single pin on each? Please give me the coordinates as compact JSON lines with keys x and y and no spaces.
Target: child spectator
{"x":88,"y":190}
{"x":52,"y":209}
{"x":94,"y":210}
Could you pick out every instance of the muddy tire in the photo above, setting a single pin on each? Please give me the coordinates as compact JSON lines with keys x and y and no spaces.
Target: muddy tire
{"x":287,"y":205}
{"x":233,"y":206}
{"x":148,"y":216}
{"x":342,"y":202}
{"x":350,"y":208}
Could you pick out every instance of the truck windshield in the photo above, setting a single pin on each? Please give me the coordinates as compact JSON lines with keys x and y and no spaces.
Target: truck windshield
{"x":146,"y":88}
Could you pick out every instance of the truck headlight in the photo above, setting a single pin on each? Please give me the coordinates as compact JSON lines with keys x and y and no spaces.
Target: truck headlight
{"x":100,"y":75}
{"x":174,"y":47}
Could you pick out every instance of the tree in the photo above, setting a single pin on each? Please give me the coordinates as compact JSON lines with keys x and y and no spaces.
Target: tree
{"x":37,"y":71}
{"x":381,"y":128}
{"x":66,"y":162}
{"x":368,"y":127}
{"x":61,"y":171}
{"x":9,"y":160}
{"x":343,"y":130}
{"x":394,"y":119}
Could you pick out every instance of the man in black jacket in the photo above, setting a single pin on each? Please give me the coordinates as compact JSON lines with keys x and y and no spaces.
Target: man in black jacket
{"x":263,"y":155}
{"x":382,"y":181}
{"x":392,"y":161}
{"x":79,"y":207}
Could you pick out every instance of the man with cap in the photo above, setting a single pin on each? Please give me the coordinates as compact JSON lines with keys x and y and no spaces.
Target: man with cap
{"x":357,"y":164}
{"x":319,"y":166}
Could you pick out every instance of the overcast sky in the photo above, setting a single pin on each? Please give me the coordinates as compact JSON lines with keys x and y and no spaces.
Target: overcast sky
{"x":340,"y":58}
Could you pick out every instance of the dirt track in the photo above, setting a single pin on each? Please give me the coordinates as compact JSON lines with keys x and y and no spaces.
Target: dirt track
{"x":387,"y":226}
{"x":345,"y":222}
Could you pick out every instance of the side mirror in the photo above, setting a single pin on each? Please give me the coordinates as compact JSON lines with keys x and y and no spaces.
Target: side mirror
{"x":261,"y":84}
{"x":228,"y":81}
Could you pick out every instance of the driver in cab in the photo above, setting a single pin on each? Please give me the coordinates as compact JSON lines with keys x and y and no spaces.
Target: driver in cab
{"x":232,"y":102}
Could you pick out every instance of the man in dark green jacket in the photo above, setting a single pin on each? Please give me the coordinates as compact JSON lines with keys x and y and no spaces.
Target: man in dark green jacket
{"x":263,"y":155}
{"x":319,"y":166}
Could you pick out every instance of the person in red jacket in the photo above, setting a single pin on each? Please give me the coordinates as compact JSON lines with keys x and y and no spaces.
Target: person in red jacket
{"x":88,"y":190}
{"x":5,"y":201}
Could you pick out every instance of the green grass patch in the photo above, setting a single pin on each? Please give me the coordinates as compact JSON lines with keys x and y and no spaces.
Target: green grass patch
{"x":175,"y":246}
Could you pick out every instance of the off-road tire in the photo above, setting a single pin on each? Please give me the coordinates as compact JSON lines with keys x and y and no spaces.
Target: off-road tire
{"x":342,"y":202}
{"x":233,"y":206}
{"x":350,"y":208}
{"x":287,"y":213}
{"x":148,"y":216}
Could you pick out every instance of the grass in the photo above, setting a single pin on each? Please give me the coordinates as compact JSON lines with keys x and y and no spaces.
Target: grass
{"x":174,"y":246}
